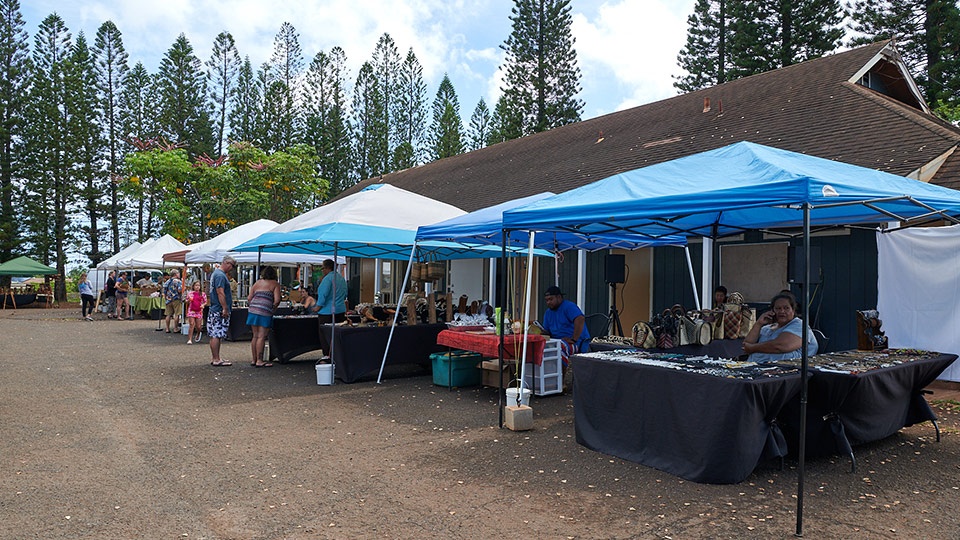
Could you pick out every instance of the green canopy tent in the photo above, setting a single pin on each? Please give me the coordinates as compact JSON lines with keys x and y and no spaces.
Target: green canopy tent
{"x":22,"y":267}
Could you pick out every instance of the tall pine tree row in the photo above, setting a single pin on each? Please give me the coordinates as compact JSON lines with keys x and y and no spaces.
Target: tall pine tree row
{"x":222,"y":68}
{"x":138,"y":100}
{"x":14,"y":80}
{"x":325,"y":127}
{"x":86,"y":144}
{"x":730,"y":39}
{"x":110,"y":62}
{"x":928,"y":38}
{"x":49,"y":154}
{"x":541,"y":74}
{"x":447,"y":128}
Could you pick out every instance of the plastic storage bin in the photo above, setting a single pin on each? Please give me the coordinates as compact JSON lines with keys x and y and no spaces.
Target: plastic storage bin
{"x":547,"y":378}
{"x":456,"y":368}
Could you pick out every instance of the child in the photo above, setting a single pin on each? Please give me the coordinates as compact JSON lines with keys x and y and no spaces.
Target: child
{"x":196,"y":299}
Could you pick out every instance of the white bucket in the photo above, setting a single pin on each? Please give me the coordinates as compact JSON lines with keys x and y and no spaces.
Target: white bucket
{"x":185,"y":329}
{"x":512,"y":397}
{"x":325,"y":374}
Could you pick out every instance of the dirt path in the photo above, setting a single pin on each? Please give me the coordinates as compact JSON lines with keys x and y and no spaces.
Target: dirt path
{"x":113,"y":430}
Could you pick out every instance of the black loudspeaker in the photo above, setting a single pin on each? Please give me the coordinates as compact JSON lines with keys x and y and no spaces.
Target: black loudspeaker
{"x":795,"y":257}
{"x":616,"y":269}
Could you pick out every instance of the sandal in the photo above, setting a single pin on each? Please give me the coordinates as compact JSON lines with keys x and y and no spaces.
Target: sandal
{"x":221,"y":363}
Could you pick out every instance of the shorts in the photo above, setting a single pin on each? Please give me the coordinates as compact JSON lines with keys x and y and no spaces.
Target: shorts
{"x":216,"y":325}
{"x":259,"y":320}
{"x":194,"y":314}
{"x":173,"y":307}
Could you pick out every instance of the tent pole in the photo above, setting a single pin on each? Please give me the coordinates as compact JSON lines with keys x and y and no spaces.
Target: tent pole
{"x":526,"y":316}
{"x":801,"y":454}
{"x":693,"y":280}
{"x":162,"y":313}
{"x":503,"y":301}
{"x":396,"y":313}
{"x":333,"y":318}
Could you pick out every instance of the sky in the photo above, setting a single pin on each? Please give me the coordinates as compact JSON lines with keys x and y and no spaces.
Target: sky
{"x":626,"y":49}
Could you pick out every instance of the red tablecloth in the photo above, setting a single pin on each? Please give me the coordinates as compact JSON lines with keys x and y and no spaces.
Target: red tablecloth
{"x":486,"y":344}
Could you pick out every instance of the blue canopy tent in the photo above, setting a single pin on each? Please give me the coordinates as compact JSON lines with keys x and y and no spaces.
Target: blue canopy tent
{"x":485,"y":226}
{"x":735,"y":188}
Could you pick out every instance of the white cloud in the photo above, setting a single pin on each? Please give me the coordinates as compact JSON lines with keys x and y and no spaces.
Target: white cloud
{"x":627,"y":52}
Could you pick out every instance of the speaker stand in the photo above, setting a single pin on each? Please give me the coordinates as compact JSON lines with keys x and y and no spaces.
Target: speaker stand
{"x":614,"y":315}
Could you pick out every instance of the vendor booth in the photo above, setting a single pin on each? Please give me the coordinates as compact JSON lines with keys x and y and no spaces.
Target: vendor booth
{"x":24,"y":267}
{"x":731,"y":189}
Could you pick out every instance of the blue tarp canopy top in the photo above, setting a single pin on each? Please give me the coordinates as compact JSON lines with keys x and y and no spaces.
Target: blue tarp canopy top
{"x":731,"y":189}
{"x":485,"y":226}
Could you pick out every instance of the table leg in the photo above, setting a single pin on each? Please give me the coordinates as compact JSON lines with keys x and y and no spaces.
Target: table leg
{"x":840,"y":437}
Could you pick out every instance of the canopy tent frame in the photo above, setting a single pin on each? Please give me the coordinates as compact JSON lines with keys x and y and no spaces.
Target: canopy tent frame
{"x":756,"y":180}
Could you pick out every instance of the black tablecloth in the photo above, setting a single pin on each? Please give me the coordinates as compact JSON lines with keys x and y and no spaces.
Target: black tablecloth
{"x":844,"y":409}
{"x":238,"y":330}
{"x":293,"y":335}
{"x":699,"y":427}
{"x":718,"y":348}
{"x":359,"y":350}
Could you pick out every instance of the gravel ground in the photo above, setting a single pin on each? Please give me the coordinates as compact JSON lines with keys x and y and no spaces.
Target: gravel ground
{"x":111,"y":429}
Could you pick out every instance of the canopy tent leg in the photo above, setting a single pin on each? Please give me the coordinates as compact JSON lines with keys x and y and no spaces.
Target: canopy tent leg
{"x":804,"y":363}
{"x":526,"y":315}
{"x":396,"y":313}
{"x":693,"y":280}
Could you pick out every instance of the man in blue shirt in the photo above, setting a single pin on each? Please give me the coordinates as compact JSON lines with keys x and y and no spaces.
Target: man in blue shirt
{"x":331,"y":302}
{"x":221,"y":303}
{"x":563,"y":320}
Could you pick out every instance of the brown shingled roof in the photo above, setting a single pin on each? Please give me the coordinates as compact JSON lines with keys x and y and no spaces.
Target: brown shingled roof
{"x":810,"y":108}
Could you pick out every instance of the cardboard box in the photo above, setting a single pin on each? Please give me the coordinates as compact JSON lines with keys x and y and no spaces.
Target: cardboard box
{"x":489,"y":373}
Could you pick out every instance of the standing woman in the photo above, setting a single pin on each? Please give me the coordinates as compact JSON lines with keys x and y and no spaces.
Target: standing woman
{"x":262,"y":301}
{"x":196,"y":299}
{"x":86,"y":297}
{"x":123,"y":305}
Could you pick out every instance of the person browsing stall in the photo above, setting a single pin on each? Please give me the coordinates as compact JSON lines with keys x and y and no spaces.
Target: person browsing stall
{"x":221,"y":304}
{"x":719,"y":297}
{"x":263,"y":300}
{"x":331,"y":302}
{"x":173,"y":298}
{"x":563,"y":320}
{"x":86,"y":297}
{"x":777,"y":334}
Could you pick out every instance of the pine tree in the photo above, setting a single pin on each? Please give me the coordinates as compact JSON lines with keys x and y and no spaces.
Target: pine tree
{"x":704,"y":57}
{"x":222,"y":68}
{"x":506,"y":123}
{"x":480,"y":127}
{"x":771,"y":35}
{"x":325,"y":126}
{"x":47,"y":138}
{"x":138,"y":117}
{"x":386,"y":69}
{"x":541,"y":73}
{"x":367,"y":123}
{"x":928,"y":38}
{"x":86,"y":143}
{"x":410,"y":114}
{"x":14,"y":79}
{"x":285,"y":67}
{"x":111,"y":69}
{"x":183,"y":106}
{"x":246,"y":106}
{"x":447,"y":127}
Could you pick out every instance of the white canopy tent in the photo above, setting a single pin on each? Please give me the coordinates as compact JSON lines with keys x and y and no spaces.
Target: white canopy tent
{"x":213,"y":250}
{"x":150,"y":254}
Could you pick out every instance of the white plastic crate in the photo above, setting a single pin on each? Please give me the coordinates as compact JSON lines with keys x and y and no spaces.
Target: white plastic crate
{"x":547,"y":378}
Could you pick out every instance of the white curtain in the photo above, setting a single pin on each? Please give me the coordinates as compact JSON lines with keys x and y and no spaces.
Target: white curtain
{"x":918,"y":288}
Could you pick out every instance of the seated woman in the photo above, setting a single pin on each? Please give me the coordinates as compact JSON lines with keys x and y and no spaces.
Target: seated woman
{"x":776,"y":336}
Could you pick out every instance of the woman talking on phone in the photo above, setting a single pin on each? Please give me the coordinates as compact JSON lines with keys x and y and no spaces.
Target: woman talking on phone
{"x":777,"y":334}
